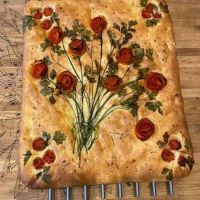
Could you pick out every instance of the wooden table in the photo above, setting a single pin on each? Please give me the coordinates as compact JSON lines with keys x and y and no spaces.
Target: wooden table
{"x":186,"y":18}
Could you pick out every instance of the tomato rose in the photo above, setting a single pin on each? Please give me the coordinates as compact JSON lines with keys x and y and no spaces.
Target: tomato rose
{"x":38,"y":15}
{"x":39,"y":144}
{"x":174,"y":144}
{"x":112,"y":83}
{"x":77,"y":47}
{"x":49,"y":157}
{"x":182,"y":161}
{"x":151,"y":10}
{"x":55,"y":35}
{"x":98,"y":24}
{"x":167,"y":155}
{"x":146,"y":14}
{"x":38,"y":163}
{"x":150,"y":7}
{"x":67,"y":81}
{"x":38,"y":70}
{"x":48,"y":11}
{"x":47,"y":24}
{"x":157,"y":15}
{"x":144,"y":129}
{"x":125,"y":56}
{"x":155,"y":81}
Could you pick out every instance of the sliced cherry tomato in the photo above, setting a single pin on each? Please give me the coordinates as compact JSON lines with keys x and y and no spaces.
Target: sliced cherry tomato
{"x":47,"y":24}
{"x":38,"y":15}
{"x":150,"y":8}
{"x":48,"y":11}
{"x":38,"y":163}
{"x":39,"y":144}
{"x":182,"y":161}
{"x":146,"y":14}
{"x":49,"y":157}
{"x":157,"y":15}
{"x":174,"y":144}
{"x":167,"y":155}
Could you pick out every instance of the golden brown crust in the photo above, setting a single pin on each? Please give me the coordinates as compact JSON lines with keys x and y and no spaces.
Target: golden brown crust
{"x":117,"y":154}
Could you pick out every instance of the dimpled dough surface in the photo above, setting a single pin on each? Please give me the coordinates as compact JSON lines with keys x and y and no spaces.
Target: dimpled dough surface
{"x":135,"y":127}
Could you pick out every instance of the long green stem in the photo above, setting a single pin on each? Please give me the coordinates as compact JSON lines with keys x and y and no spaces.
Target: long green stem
{"x":106,"y":114}
{"x":70,"y":61}
{"x":103,"y":104}
{"x":99,"y":71}
{"x":56,"y":61}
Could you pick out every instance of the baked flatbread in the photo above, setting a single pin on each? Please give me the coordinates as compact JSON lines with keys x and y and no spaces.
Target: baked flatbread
{"x":102,"y":99}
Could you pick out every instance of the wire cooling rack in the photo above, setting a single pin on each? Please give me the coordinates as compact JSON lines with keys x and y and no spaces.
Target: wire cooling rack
{"x":119,"y":193}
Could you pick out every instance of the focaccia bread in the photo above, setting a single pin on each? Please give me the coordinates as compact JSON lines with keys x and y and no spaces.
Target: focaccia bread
{"x":102,"y":99}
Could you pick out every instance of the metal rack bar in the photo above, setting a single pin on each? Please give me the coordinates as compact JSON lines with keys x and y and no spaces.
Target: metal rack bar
{"x":137,"y":189}
{"x":102,"y":191}
{"x":153,"y":189}
{"x":136,"y":193}
{"x":67,"y":193}
{"x":119,"y":190}
{"x":50,"y":194}
{"x":85,"y":192}
{"x":170,"y":188}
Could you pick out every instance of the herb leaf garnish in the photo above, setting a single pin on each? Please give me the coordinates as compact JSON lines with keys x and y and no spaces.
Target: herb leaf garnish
{"x":28,"y":22}
{"x":164,"y":7}
{"x":59,"y":137}
{"x":153,"y":106}
{"x":152,"y":22}
{"x":46,"y":60}
{"x":143,"y":3}
{"x":162,"y":143}
{"x":149,"y":54}
{"x":27,"y":155}
{"x":168,"y":173}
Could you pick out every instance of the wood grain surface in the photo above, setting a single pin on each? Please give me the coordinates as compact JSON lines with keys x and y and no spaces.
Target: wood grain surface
{"x":186,"y":18}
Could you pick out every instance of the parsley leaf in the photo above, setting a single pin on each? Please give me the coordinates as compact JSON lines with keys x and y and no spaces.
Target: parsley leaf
{"x":46,"y":168}
{"x":57,"y":49}
{"x":44,"y":83}
{"x":46,"y":60}
{"x":153,"y":106}
{"x":44,"y":45}
{"x":131,"y":104}
{"x":187,"y":144}
{"x":161,"y":143}
{"x":165,"y":170}
{"x":46,"y":178}
{"x":170,"y":176}
{"x":112,"y":66}
{"x":149,"y":54}
{"x":190,"y":162}
{"x":143,"y":73}
{"x":59,"y":137}
{"x":54,"y":18}
{"x":139,"y":55}
{"x":27,"y":155}
{"x":38,"y":175}
{"x":28,"y":22}
{"x":90,"y":74}
{"x":143,"y":3}
{"x":164,"y":7}
{"x":52,"y":99}
{"x":46,"y":91}
{"x":151,"y":95}
{"x":81,"y":30}
{"x":152,"y":22}
{"x":46,"y":136}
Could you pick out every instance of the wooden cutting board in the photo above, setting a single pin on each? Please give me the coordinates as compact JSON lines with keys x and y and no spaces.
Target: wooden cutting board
{"x":186,"y":18}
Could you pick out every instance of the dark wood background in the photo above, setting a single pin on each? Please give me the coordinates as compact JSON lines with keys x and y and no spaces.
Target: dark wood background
{"x":186,"y":18}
